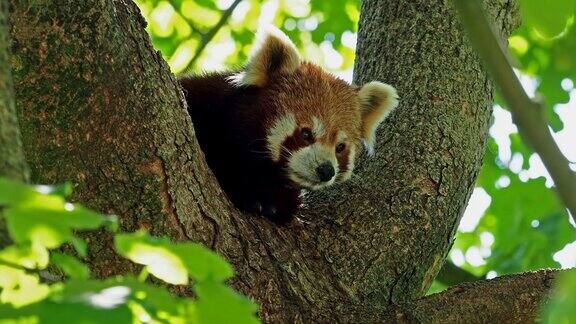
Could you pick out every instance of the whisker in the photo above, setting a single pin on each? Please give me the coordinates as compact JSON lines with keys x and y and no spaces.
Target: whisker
{"x":256,"y":140}
{"x":285,"y":150}
{"x":259,"y":152}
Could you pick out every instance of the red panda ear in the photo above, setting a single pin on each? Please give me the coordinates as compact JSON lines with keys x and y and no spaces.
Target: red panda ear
{"x":377,"y":100}
{"x":272,"y":54}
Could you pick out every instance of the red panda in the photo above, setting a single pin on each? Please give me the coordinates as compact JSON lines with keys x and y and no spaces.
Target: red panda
{"x":282,"y":125}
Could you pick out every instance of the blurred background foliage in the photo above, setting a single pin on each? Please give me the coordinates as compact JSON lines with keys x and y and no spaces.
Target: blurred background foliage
{"x":514,"y":222}
{"x":206,"y":35}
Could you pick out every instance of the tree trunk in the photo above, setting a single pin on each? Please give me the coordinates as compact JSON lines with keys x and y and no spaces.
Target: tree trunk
{"x":408,"y":200}
{"x":12,"y":162}
{"x":99,"y":107}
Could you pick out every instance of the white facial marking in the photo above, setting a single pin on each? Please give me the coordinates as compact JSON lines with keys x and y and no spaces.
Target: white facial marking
{"x":303,"y":163}
{"x":318,"y":127}
{"x":341,"y":137}
{"x":350,"y":167}
{"x":281,"y":129}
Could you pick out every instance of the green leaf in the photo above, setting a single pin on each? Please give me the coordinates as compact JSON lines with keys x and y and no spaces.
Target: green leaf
{"x":12,"y":192}
{"x":50,"y":226}
{"x":16,"y":193}
{"x":80,"y":246}
{"x":156,"y":301}
{"x":173,"y":262}
{"x":20,"y":288}
{"x":548,"y":17}
{"x":26,"y":255}
{"x":202,"y":263}
{"x":218,"y":303}
{"x":40,"y":215}
{"x":62,"y":190}
{"x":155,"y":254}
{"x":561,"y":307}
{"x":88,"y":308}
{"x":70,"y":265}
{"x":436,"y":287}
{"x":17,"y":286}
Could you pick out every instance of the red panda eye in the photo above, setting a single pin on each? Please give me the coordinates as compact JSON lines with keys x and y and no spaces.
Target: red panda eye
{"x":340,"y":147}
{"x":306,"y":134}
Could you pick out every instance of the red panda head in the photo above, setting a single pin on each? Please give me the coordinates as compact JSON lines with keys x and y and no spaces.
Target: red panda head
{"x":314,"y":122}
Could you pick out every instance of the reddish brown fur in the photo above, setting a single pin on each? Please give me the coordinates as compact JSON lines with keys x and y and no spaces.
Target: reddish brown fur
{"x":235,"y":117}
{"x":311,"y":92}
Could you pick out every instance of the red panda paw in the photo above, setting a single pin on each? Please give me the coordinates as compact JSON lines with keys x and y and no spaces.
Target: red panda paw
{"x":268,"y":210}
{"x":282,"y":206}
{"x":277,"y":215}
{"x":278,"y":204}
{"x":254,"y":207}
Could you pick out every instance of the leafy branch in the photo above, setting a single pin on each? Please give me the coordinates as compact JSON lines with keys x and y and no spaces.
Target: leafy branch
{"x":527,"y":114}
{"x":41,"y":221}
{"x":207,"y":37}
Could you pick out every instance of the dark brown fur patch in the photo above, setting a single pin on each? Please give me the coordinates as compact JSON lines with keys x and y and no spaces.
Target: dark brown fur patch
{"x":292,"y":144}
{"x":343,"y":160}
{"x":276,"y":58}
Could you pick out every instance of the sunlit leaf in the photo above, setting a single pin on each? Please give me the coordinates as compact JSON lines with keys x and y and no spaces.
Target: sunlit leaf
{"x":202,"y":263}
{"x":70,"y":265}
{"x":561,"y":308}
{"x":548,"y":17}
{"x":173,"y":262}
{"x":90,"y":307}
{"x":20,"y":288}
{"x":12,"y":192}
{"x":155,"y":254}
{"x":220,"y":304}
{"x":26,"y":255}
{"x":50,"y":226}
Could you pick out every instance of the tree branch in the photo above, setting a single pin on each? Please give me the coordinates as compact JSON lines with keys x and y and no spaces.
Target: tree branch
{"x":527,"y":114}
{"x":506,"y":299}
{"x":195,"y":29}
{"x":207,"y":37}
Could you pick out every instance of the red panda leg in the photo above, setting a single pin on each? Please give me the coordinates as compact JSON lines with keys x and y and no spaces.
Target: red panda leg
{"x":281,"y":204}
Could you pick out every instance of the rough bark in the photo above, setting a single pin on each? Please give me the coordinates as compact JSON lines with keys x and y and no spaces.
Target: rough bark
{"x":389,"y":230}
{"x":507,"y":299}
{"x":99,"y":107}
{"x":12,"y":162}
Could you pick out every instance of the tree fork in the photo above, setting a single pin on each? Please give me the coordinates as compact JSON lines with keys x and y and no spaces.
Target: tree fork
{"x":99,"y":107}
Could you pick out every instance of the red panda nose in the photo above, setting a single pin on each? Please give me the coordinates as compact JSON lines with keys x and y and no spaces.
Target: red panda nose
{"x":325,"y":172}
